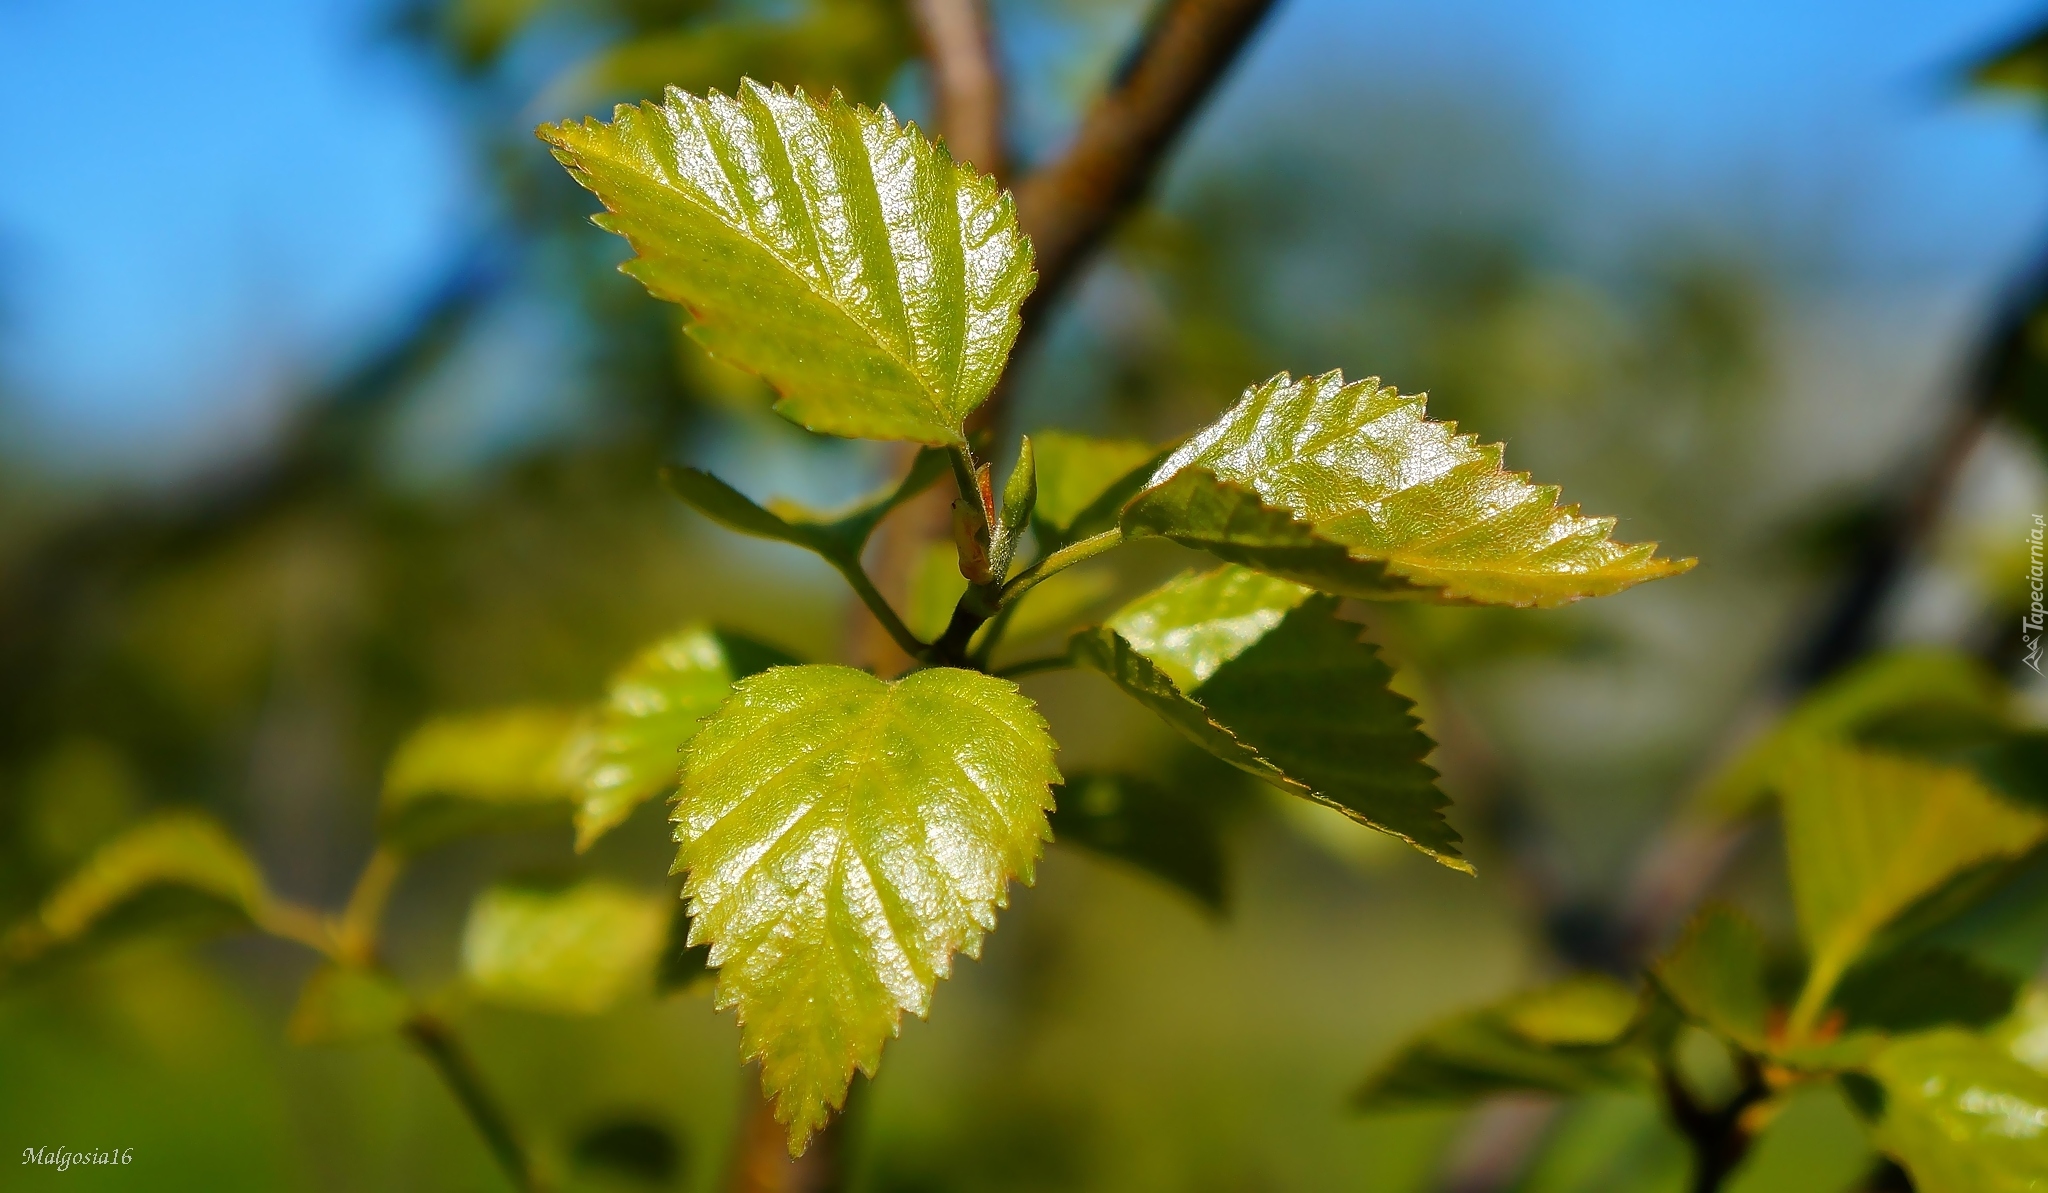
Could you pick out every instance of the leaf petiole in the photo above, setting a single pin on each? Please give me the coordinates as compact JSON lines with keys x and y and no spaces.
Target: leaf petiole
{"x":1018,"y":670}
{"x":864,"y":588}
{"x":1059,"y":561}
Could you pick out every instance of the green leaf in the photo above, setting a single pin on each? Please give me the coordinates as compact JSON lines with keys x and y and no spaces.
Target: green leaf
{"x":1867,"y":836}
{"x":935,"y":587}
{"x":1360,"y":469}
{"x":838,"y":540}
{"x":1304,"y":706}
{"x":1962,"y":1115}
{"x":1570,"y":1038}
{"x":1923,"y":988}
{"x":843,"y":837}
{"x":1715,"y":975}
{"x":574,"y":950}
{"x":1194,"y":624}
{"x":181,"y":849}
{"x":630,"y":749}
{"x":850,"y":262}
{"x":629,"y":1150}
{"x":1172,"y":837}
{"x":1870,"y":701}
{"x":501,"y":770}
{"x":1076,"y":471}
{"x":344,"y":1003}
{"x":2021,"y":65}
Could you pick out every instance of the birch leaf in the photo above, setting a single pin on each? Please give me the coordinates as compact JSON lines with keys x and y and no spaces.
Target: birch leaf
{"x":871,"y":280}
{"x":1392,"y":503}
{"x":843,"y":837}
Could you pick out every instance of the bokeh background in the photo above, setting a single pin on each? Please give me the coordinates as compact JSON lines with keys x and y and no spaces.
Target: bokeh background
{"x":322,"y":408}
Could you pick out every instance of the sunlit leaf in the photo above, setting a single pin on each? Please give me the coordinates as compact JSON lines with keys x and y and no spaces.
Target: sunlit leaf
{"x":1282,"y":689}
{"x":1962,"y":1115}
{"x":630,"y":750}
{"x":1567,"y":1039}
{"x":1716,"y":976}
{"x":1168,"y":835}
{"x":843,"y":836}
{"x":184,"y":850}
{"x":573,"y":950}
{"x":1381,"y":499}
{"x":456,"y":775}
{"x":842,"y":256}
{"x":1076,"y":471}
{"x":345,"y":1003}
{"x":1867,"y":835}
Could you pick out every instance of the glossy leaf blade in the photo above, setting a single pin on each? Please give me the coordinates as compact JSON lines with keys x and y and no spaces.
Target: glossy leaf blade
{"x":631,"y":749}
{"x":1868,"y":835}
{"x":571,"y":951}
{"x":455,"y":775}
{"x":1962,"y":1115}
{"x":844,"y":836}
{"x":1194,"y":624}
{"x":850,"y":262}
{"x":1364,"y":468}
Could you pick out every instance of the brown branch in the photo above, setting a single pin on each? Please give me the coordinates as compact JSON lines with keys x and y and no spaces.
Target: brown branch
{"x":966,"y":83}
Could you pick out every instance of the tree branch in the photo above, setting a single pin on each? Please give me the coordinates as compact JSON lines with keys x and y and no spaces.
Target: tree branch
{"x":965,"y":80}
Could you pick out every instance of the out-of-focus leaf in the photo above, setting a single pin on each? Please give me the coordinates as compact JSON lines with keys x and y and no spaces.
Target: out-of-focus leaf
{"x":1136,"y":821}
{"x":182,"y":849}
{"x":1058,"y":604}
{"x":1194,"y":624}
{"x":2015,"y":764}
{"x":1962,"y":1115}
{"x":850,"y":262}
{"x":1867,"y":835}
{"x":1360,"y":468}
{"x":573,"y":950}
{"x":630,"y":749}
{"x":2025,"y":1035}
{"x":843,"y":837}
{"x":1716,"y":976}
{"x":1892,"y":690}
{"x":936,"y":585}
{"x":838,"y":540}
{"x":632,"y":1149}
{"x":684,"y":966}
{"x":456,"y":775}
{"x":344,"y":1003}
{"x":1305,"y":706}
{"x":1570,"y":1038}
{"x":2020,"y":65}
{"x":1921,"y":989}
{"x":1075,"y":471}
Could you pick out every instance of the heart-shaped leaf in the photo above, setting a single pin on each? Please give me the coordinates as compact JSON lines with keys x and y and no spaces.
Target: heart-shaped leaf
{"x":873,"y":282}
{"x":843,"y":837}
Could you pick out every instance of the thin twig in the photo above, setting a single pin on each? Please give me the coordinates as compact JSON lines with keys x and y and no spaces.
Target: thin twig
{"x":437,"y":1042}
{"x":965,"y":80}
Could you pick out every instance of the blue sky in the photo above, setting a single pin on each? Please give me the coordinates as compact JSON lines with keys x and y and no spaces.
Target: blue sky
{"x":212,"y":196}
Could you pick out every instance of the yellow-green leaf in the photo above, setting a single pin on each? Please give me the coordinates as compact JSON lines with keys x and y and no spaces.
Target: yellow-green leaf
{"x":344,"y":1003}
{"x":630,"y":749}
{"x":573,"y":951}
{"x":873,"y":282}
{"x":1076,"y":471}
{"x":1962,"y":1115}
{"x":505,"y":769}
{"x":1867,"y":835}
{"x":1418,"y":509}
{"x":843,"y":837}
{"x":1715,"y":975}
{"x":1262,"y":673}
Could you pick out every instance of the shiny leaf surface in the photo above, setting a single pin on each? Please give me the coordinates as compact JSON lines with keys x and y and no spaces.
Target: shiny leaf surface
{"x":1962,"y":1115}
{"x":844,"y":836}
{"x":1360,"y":467}
{"x":850,"y":262}
{"x":1193,"y":624}
{"x":630,"y":749}
{"x":573,"y":951}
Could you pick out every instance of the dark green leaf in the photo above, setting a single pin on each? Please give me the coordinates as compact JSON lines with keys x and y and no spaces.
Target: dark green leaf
{"x":632,"y":1149}
{"x":869,"y":279}
{"x":1571,"y":1038}
{"x":1716,"y":976}
{"x":838,"y":539}
{"x":1913,"y":991}
{"x":1359,"y":467}
{"x":1171,"y":836}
